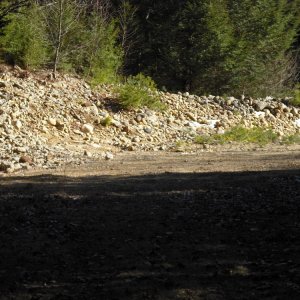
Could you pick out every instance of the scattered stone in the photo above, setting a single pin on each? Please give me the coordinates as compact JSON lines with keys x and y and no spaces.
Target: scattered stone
{"x":191,"y":117}
{"x":25,"y":159}
{"x":60,"y":125}
{"x":20,"y":149}
{"x":87,"y":128}
{"x":260,"y":105}
{"x":148,"y":129}
{"x":109,"y":156}
{"x":136,"y":139}
{"x":4,"y":166}
{"x":52,"y":121}
{"x":18,"y":124}
{"x":194,"y":124}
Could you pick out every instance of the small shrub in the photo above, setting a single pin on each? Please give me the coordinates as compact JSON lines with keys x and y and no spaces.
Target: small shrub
{"x":240,"y":134}
{"x":106,"y":121}
{"x":291,"y":139}
{"x":180,"y":146}
{"x":205,"y":139}
{"x":254,"y":135}
{"x":139,"y":91}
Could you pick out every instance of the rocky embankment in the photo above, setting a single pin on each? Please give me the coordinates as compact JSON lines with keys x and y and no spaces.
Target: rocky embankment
{"x":46,"y":123}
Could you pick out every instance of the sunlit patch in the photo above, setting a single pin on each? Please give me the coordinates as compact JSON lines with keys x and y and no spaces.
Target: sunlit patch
{"x":65,"y":196}
{"x":240,"y":271}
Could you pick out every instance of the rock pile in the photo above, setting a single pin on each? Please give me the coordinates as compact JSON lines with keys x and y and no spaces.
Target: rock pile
{"x":46,"y":123}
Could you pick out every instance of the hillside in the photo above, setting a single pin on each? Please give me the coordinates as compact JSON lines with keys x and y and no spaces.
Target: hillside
{"x":46,"y":123}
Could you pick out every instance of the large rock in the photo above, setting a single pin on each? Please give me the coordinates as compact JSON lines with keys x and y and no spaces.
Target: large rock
{"x":260,"y":105}
{"x":87,"y":128}
{"x":52,"y":121}
{"x":25,"y":159}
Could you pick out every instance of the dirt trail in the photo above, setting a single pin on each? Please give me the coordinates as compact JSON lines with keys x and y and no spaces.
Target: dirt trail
{"x":140,"y":163}
{"x":155,"y":226}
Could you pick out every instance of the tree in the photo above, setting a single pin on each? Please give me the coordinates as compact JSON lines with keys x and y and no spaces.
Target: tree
{"x":127,"y":30}
{"x":24,"y":38}
{"x":218,"y":46}
{"x":62,"y":19}
{"x":260,"y":62}
{"x":100,"y":56}
{"x":8,"y":7}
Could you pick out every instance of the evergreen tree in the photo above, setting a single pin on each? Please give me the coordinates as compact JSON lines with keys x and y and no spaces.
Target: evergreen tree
{"x":218,"y":46}
{"x":8,"y":7}
{"x":62,"y":19}
{"x":23,"y":39}
{"x":263,"y":34}
{"x":103,"y":57}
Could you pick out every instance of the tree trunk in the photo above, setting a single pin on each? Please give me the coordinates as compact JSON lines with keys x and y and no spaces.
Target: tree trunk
{"x":59,"y":38}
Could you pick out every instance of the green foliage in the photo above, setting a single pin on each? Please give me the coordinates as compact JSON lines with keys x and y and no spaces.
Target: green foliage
{"x":139,"y":91}
{"x":296,"y":99}
{"x":67,"y":35}
{"x":264,"y":31}
{"x":8,"y":7}
{"x":181,"y":146}
{"x":291,"y":139}
{"x":103,"y":56}
{"x":106,"y":121}
{"x":205,"y":47}
{"x":219,"y":46}
{"x":64,"y":31}
{"x":240,"y":134}
{"x":24,"y":39}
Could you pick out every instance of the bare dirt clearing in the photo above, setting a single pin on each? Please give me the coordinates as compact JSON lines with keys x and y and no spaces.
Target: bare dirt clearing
{"x":155,"y":226}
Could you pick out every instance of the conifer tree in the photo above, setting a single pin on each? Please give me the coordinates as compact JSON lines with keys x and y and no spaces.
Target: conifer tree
{"x":260,"y":63}
{"x":23,"y":39}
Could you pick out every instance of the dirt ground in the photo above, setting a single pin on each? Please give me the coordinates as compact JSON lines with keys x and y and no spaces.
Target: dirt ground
{"x":212,"y":226}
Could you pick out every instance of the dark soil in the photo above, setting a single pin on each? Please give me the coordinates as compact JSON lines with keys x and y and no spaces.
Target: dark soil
{"x":170,"y":235}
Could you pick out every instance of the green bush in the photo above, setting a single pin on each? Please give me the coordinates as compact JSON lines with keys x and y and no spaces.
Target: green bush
{"x":240,"y":134}
{"x":296,"y":99}
{"x":291,"y":139}
{"x":139,"y":91}
{"x":106,"y":121}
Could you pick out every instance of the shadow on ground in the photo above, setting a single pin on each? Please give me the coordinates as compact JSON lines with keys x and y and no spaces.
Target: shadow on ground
{"x":167,"y":236}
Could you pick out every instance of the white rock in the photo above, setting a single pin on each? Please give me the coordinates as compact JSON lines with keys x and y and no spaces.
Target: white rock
{"x":18,"y":124}
{"x":136,"y":139}
{"x":21,"y":149}
{"x":212,"y":123}
{"x":297,"y":122}
{"x":116,"y":123}
{"x":44,"y":129}
{"x":87,"y":128}
{"x":109,"y":156}
{"x":194,"y":124}
{"x":52,"y":121}
{"x":259,"y":114}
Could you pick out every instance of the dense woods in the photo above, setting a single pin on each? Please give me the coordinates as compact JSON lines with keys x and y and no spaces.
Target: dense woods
{"x":212,"y":46}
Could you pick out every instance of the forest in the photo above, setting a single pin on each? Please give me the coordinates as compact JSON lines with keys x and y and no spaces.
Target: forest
{"x":219,"y":47}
